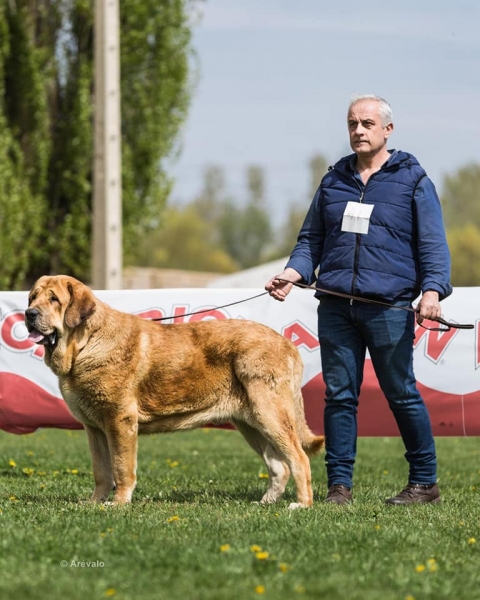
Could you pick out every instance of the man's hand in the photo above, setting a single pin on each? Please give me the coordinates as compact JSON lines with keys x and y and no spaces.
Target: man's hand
{"x":428,"y":307}
{"x":279,"y":289}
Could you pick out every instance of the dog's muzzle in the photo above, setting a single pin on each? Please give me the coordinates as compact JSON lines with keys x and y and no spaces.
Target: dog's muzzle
{"x":37,"y":336}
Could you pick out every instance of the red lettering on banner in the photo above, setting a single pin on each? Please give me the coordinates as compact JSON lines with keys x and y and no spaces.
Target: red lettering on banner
{"x":154,"y":313}
{"x":180,"y":315}
{"x":208,"y":315}
{"x":13,"y":342}
{"x":300,"y":336}
{"x":436,"y":341}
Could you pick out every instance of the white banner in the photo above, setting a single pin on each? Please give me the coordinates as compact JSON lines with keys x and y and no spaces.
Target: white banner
{"x":446,"y":363}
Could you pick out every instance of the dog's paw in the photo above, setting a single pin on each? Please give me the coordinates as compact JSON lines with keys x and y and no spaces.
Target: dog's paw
{"x":295,"y":505}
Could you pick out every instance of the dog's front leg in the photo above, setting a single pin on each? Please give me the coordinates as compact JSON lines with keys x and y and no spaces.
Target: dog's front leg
{"x":101,"y":463}
{"x":122,"y":435}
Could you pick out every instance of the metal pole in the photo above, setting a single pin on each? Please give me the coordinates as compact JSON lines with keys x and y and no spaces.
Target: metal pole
{"x":107,"y":264}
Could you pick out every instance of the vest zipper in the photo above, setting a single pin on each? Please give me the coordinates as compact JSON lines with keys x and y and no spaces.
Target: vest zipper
{"x":357,"y":242}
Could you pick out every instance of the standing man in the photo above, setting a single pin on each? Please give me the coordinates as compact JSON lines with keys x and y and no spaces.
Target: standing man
{"x":374,"y":229}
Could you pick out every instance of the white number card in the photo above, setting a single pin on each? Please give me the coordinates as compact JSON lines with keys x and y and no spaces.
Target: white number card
{"x":356,"y":217}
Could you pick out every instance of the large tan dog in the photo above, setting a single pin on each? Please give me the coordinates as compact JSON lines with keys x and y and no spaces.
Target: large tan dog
{"x":121,"y":375}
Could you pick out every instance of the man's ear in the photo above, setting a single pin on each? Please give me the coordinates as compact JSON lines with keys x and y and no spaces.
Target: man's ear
{"x":81,"y":305}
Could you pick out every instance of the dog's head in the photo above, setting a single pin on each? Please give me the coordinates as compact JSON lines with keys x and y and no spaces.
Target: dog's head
{"x":57,"y":305}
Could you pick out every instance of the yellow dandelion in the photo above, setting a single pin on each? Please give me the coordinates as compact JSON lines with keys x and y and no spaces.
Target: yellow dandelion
{"x":262,"y":555}
{"x":263,"y":475}
{"x":473,"y":488}
{"x":255,"y":548}
{"x":224,"y":547}
{"x":13,"y":499}
{"x":300,"y":589}
{"x":172,"y":519}
{"x":27,"y":471}
{"x":110,"y":592}
{"x":385,"y":472}
{"x":55,"y":473}
{"x":472,"y":541}
{"x":103,"y":534}
{"x":377,"y":527}
{"x":12,"y":463}
{"x":409,"y":597}
{"x":420,"y":568}
{"x":30,"y":453}
{"x":462,"y":523}
{"x":41,"y":473}
{"x":260,"y":589}
{"x":173,"y":464}
{"x":284,"y":567}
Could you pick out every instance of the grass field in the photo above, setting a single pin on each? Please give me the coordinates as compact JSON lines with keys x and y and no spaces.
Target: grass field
{"x":193,"y":532}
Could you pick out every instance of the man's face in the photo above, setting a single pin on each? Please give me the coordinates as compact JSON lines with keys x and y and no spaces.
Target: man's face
{"x":367,"y":134}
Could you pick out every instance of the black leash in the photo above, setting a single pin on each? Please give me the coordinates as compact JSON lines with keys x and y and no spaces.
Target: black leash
{"x":199,"y":312}
{"x":447,"y":324}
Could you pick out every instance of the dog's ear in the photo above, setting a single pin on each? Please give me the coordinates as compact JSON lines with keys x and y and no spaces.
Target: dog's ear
{"x":81,"y":305}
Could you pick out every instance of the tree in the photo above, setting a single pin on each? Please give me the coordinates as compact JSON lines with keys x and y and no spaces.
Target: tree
{"x":46,"y":141}
{"x":297,"y":211}
{"x":183,"y":241}
{"x":245,"y":233}
{"x":460,"y":200}
{"x":461,"y":196}
{"x":464,"y":244}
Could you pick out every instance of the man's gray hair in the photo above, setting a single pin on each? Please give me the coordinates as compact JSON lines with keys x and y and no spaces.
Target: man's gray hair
{"x":384,"y":108}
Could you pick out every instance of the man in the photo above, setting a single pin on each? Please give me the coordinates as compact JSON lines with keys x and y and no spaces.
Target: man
{"x":374,"y":230}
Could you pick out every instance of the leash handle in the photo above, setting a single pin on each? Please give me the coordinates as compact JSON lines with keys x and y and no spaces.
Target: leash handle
{"x":440,"y":320}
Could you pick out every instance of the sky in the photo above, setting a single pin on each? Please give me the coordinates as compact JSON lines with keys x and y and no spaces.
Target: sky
{"x":274,"y":78}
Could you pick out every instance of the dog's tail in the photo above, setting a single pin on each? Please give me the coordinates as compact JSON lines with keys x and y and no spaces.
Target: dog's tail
{"x":311,"y":443}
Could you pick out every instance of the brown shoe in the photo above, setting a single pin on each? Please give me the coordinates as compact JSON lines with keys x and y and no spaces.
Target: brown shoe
{"x":416,"y":493}
{"x":339,"y":494}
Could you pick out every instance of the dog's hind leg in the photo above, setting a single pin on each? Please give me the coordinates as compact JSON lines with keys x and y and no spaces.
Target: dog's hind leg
{"x":278,"y":471}
{"x":274,"y":416}
{"x":101,"y":463}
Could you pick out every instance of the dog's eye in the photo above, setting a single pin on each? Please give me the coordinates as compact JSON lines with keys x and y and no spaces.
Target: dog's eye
{"x":54,"y":300}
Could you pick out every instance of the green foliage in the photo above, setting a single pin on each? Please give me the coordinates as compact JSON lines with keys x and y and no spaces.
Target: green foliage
{"x":214,"y":232}
{"x":461,"y":209}
{"x":156,"y":91}
{"x":464,"y":244}
{"x":193,"y":531}
{"x":183,"y":241}
{"x":461,"y":197}
{"x":46,"y":127}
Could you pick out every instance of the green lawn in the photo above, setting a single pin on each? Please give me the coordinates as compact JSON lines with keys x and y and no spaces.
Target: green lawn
{"x":193,"y":532}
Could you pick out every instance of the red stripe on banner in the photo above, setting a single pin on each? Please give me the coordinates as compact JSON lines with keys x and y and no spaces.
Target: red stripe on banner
{"x":451,"y":414}
{"x":25,"y":406}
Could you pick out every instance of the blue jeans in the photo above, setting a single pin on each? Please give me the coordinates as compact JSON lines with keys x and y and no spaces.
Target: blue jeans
{"x":345,"y":331}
